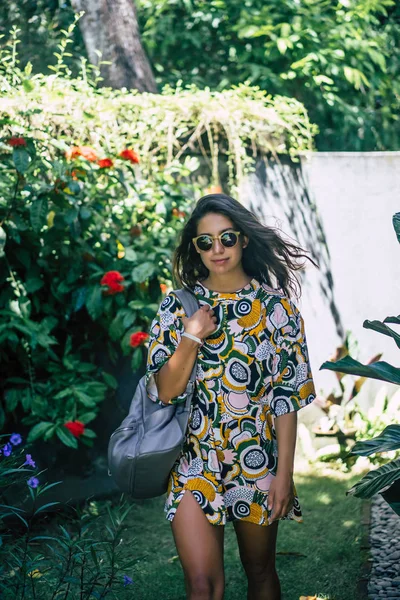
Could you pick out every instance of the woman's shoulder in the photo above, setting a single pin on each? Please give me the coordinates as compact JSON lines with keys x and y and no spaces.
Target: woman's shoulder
{"x":276,"y":299}
{"x":172,"y":304}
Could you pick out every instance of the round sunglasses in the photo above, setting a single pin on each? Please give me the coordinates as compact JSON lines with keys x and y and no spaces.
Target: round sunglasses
{"x":205,"y":242}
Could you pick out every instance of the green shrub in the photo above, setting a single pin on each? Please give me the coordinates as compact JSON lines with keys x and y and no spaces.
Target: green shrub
{"x":85,"y":245}
{"x":385,"y":479}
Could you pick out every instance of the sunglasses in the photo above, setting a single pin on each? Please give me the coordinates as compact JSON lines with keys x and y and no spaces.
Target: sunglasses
{"x":205,"y":242}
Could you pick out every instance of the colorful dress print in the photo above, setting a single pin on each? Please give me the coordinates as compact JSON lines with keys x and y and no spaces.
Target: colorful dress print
{"x":254,"y":368}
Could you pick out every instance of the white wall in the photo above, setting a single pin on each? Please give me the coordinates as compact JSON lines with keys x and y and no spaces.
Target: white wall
{"x":356,"y":195}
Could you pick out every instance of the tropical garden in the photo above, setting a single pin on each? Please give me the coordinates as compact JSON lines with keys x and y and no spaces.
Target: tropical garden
{"x":96,"y":180}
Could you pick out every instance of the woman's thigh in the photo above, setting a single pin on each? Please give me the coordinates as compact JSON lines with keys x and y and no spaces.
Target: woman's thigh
{"x":200,"y":545}
{"x":257,"y":546}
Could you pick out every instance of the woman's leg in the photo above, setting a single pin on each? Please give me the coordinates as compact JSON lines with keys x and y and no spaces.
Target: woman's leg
{"x":200,"y":547}
{"x":257,"y":547}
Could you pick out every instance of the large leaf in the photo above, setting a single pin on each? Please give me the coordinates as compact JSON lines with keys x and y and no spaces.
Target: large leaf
{"x":389,"y":439}
{"x":396,"y":224}
{"x":376,"y":481}
{"x":66,"y":437}
{"x":39,"y":430}
{"x":38,"y":213}
{"x":143,"y":272}
{"x":377,"y":370}
{"x":21,"y":159}
{"x":383,"y":328}
{"x":94,"y":301}
{"x":392,"y":496}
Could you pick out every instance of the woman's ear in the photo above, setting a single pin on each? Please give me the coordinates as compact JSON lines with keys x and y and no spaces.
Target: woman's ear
{"x":245,"y":241}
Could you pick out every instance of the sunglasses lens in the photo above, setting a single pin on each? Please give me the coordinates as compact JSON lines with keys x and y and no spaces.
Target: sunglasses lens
{"x":204,"y":243}
{"x":229,"y":239}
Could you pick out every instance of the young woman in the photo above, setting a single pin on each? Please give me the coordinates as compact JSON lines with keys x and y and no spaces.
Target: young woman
{"x":253,"y":375}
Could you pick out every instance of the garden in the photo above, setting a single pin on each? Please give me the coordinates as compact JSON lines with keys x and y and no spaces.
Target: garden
{"x":96,"y":182}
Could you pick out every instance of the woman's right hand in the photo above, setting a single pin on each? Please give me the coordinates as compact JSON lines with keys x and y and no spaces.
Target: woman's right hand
{"x":202,"y":323}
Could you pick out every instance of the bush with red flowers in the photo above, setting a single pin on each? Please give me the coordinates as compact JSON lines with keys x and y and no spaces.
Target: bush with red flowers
{"x":87,"y":247}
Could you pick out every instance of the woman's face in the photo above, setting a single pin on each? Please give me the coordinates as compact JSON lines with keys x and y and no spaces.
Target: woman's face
{"x":220,"y":259}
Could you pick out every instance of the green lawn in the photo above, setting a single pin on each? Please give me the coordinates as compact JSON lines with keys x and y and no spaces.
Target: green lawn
{"x":320,"y":557}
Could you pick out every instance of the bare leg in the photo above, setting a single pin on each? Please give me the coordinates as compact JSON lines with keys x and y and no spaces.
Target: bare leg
{"x":257,"y":546}
{"x":200,"y":547}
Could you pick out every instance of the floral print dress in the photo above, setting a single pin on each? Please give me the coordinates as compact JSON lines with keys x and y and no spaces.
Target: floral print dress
{"x":251,"y":370}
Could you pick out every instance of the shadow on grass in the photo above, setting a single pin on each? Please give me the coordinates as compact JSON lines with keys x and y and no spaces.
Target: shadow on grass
{"x":321,"y":556}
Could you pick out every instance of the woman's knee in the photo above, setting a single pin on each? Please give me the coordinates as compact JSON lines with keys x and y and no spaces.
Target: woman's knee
{"x":260,"y":571}
{"x":203,"y":586}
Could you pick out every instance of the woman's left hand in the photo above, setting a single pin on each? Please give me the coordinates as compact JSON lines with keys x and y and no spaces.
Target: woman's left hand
{"x":281,"y":496}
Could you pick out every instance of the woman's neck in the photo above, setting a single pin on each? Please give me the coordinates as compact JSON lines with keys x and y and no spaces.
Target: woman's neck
{"x":226,"y":283}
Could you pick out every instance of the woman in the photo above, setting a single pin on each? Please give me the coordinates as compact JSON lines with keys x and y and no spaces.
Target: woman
{"x":253,"y":374}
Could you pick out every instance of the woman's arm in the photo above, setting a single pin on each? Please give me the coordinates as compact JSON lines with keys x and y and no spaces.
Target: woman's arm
{"x":281,"y":495}
{"x":173,"y":377}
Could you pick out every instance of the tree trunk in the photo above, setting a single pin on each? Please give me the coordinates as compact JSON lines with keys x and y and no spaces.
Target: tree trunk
{"x":111,"y":27}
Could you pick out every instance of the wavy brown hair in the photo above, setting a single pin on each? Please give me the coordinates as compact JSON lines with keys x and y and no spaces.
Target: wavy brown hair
{"x":268,"y":257}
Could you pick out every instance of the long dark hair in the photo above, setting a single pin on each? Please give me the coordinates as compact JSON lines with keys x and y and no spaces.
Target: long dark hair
{"x":268,"y":257}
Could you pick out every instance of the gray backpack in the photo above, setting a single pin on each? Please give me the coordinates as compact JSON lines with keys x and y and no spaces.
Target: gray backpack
{"x":143,"y":450}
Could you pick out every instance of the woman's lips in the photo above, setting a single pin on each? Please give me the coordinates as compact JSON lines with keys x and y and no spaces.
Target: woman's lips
{"x":221,"y":261}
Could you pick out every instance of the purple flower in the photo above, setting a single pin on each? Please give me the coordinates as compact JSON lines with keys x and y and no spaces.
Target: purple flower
{"x":15,"y":439}
{"x":7,"y":449}
{"x":29,"y":461}
{"x":127,"y":580}
{"x":33,"y":482}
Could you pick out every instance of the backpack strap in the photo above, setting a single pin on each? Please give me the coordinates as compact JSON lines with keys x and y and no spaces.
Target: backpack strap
{"x":190,"y":305}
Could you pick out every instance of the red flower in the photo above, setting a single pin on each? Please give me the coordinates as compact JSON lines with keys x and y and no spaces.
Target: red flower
{"x":105,"y":163}
{"x":75,"y":427}
{"x":16,"y":141}
{"x":163,"y":288}
{"x":84,"y":151}
{"x":138,"y":338}
{"x":112,"y":279}
{"x":129,"y":154}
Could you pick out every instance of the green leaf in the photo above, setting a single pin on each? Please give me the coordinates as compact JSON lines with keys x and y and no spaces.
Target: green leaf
{"x":28,"y":85}
{"x":376,"y":481}
{"x":94,"y":302}
{"x":137,"y":358}
{"x":66,"y":437}
{"x":87,"y":417}
{"x":377,"y":370}
{"x":143,"y":272}
{"x":89,"y":433}
{"x":389,"y":439}
{"x":33,"y":284}
{"x":130,"y":255}
{"x":110,"y":380}
{"x":21,"y":159}
{"x":396,"y":225}
{"x":39,"y":430}
{"x":382,"y":328}
{"x":392,"y":496}
{"x":38,"y":213}
{"x":3,"y":238}
{"x":12,"y":398}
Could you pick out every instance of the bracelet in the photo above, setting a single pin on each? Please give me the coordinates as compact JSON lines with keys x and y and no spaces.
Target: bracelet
{"x":192,"y":337}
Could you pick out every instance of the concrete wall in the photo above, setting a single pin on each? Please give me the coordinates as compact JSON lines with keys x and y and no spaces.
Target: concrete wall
{"x":339,"y":206}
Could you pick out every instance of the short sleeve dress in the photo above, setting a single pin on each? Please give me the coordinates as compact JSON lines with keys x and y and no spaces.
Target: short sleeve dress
{"x":252,"y":369}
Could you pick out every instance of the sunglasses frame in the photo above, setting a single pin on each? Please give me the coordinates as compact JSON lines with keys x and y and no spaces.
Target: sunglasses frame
{"x":216,"y":237}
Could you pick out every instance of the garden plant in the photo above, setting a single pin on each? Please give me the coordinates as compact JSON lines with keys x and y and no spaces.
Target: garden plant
{"x":386,"y":478}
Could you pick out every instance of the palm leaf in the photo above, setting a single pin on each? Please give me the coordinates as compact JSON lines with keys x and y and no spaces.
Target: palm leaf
{"x":377,"y":370}
{"x":383,"y":328}
{"x":392,"y":496}
{"x":389,"y":439}
{"x":375,"y":481}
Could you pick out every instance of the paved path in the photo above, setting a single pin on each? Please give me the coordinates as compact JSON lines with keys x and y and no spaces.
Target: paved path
{"x":384,"y":583}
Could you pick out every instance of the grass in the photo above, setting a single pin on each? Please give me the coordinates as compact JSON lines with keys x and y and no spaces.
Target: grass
{"x":320,"y":557}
